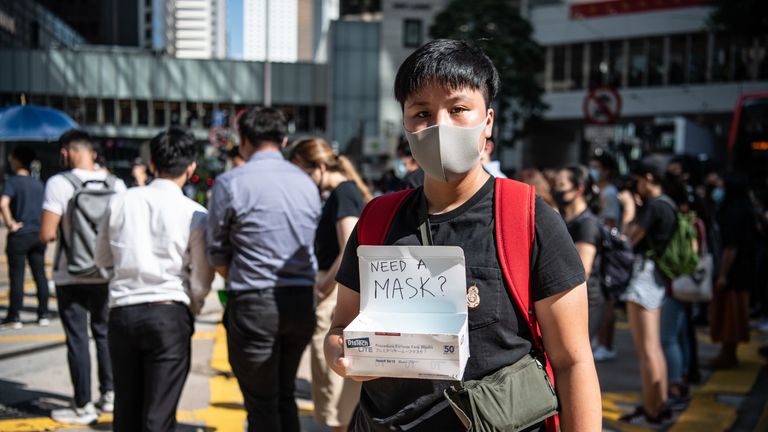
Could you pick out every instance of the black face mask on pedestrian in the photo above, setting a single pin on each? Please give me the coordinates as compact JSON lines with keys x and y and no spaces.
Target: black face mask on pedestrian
{"x":559,"y":197}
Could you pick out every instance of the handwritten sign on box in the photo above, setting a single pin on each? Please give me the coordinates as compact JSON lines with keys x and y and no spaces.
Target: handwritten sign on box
{"x":413,"y":313}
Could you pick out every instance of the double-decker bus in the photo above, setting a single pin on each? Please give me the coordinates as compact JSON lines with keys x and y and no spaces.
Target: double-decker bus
{"x":748,"y":141}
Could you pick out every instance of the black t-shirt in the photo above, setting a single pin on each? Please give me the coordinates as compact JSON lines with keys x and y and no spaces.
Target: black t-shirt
{"x":737,"y":225}
{"x":413,"y":179}
{"x":26,"y":194}
{"x":498,"y":334}
{"x":346,"y":200}
{"x":659,"y":220}
{"x":586,"y":228}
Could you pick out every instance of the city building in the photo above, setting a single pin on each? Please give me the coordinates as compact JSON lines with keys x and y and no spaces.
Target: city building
{"x":26,"y":24}
{"x":185,"y":28}
{"x":637,"y":77}
{"x":296,"y":30}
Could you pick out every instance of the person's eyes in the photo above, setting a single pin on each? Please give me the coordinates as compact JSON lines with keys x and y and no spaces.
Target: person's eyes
{"x":422,"y":114}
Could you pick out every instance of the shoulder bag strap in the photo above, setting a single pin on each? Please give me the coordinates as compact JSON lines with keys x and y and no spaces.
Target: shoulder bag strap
{"x":515,"y":219}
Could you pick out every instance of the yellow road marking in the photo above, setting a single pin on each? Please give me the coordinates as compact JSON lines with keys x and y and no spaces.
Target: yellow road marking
{"x":32,"y":338}
{"x":46,"y":424}
{"x":705,"y":412}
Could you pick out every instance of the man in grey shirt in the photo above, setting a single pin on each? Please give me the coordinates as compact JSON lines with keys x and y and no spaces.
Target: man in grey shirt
{"x":261,"y":234}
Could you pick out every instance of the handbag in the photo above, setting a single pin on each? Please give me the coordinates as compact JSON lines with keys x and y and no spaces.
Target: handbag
{"x":695,"y":287}
{"x":511,"y":399}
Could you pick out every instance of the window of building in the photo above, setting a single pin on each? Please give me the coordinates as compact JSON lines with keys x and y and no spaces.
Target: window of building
{"x":677,"y":59}
{"x":91,"y":111}
{"x":598,"y":66}
{"x":616,"y":63}
{"x":109,"y":111}
{"x":73,"y":106}
{"x":638,"y":62}
{"x":207,"y":113}
{"x":126,"y":114}
{"x":175,"y":110}
{"x":412,"y":33}
{"x":721,"y":58}
{"x":577,"y":66}
{"x":697,"y":58}
{"x":558,"y":63}
{"x":158,"y":111}
{"x":656,"y":61}
{"x":56,"y":102}
{"x":320,"y":114}
{"x":142,"y":113}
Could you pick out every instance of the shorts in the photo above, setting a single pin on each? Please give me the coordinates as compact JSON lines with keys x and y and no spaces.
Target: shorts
{"x":647,"y":288}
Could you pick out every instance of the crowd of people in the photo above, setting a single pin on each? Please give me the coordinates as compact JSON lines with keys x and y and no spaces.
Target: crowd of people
{"x":281,"y":227}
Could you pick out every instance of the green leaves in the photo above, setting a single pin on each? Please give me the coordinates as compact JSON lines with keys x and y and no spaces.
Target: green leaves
{"x":497,"y":28}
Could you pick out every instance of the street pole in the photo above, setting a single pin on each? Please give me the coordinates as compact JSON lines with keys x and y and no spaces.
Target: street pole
{"x":267,"y":65}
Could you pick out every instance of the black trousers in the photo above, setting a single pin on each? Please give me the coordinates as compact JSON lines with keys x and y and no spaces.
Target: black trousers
{"x":267,"y":331}
{"x":76,"y":303}
{"x":150,"y":346}
{"x":21,"y":247}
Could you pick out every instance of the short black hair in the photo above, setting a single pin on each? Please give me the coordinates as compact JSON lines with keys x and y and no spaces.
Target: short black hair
{"x":263,"y":125}
{"x":655,"y":165}
{"x":452,"y":64}
{"x":76,"y":136}
{"x":24,"y":155}
{"x":172,"y":150}
{"x":403,"y":148}
{"x":607,"y":162}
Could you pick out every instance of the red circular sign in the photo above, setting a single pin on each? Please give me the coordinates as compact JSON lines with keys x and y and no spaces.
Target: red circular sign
{"x":602,"y":105}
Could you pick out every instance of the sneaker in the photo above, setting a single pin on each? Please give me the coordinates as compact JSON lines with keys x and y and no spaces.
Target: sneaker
{"x":602,"y":354}
{"x":43,"y":321}
{"x":11,"y":323}
{"x":83,"y":416}
{"x":106,"y":402}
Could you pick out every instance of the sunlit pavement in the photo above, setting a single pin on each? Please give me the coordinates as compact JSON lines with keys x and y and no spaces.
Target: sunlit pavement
{"x":34,"y":379}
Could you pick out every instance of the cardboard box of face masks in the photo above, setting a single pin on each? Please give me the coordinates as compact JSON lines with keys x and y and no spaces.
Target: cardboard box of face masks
{"x":413,"y":313}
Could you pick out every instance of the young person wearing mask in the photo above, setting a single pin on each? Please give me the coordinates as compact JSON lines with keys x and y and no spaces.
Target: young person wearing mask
{"x":445,"y":89}
{"x":574,"y":190}
{"x":649,"y":233}
{"x":335,"y":397}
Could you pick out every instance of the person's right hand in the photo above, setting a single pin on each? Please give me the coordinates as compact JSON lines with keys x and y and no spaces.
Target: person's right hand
{"x":333,"y":349}
{"x":15,"y":226}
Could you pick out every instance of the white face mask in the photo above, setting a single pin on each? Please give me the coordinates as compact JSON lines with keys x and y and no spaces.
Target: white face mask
{"x":446,"y":152}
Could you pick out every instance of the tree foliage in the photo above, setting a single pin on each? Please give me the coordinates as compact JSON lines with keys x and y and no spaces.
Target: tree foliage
{"x":497,"y":28}
{"x":746,"y":20}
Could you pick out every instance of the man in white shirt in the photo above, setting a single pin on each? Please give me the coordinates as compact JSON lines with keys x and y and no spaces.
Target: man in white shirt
{"x":79,"y":296}
{"x":154,"y":239}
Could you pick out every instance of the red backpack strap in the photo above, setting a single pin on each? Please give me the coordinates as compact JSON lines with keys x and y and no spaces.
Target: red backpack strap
{"x":377,"y":216}
{"x":515,"y":215}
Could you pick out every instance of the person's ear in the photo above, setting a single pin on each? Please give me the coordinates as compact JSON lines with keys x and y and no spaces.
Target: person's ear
{"x":191,"y":169}
{"x":488,"y":131}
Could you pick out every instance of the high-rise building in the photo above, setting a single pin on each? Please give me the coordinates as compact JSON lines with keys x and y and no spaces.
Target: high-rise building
{"x":296,"y":30}
{"x":185,"y":28}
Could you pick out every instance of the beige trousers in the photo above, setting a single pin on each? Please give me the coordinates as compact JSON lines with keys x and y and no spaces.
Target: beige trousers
{"x":335,"y":397}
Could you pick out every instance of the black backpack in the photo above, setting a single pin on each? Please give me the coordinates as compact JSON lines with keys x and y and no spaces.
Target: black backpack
{"x":617,"y":260}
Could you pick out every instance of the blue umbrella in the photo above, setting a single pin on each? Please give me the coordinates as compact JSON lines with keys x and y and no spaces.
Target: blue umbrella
{"x":33,"y":123}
